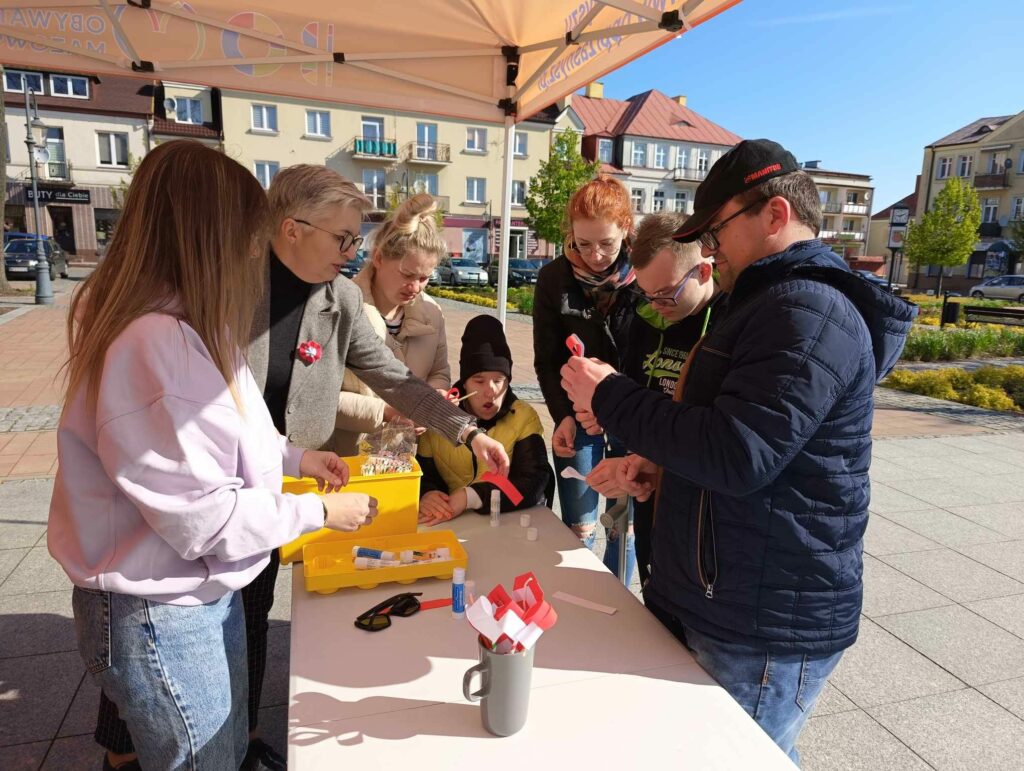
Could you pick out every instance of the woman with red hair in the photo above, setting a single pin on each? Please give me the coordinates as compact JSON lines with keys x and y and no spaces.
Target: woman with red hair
{"x":585,"y":292}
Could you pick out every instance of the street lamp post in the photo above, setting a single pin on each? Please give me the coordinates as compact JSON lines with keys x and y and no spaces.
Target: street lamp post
{"x":44,"y":289}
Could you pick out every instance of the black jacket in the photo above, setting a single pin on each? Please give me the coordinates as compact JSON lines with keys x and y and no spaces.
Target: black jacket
{"x":561,"y":308}
{"x":764,"y":500}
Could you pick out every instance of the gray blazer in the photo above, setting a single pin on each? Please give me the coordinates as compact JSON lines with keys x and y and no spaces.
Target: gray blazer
{"x":334,"y":317}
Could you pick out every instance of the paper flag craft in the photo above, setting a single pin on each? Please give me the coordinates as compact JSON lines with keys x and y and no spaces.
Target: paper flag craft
{"x":520,"y":618}
{"x":504,"y":485}
{"x":574,"y":344}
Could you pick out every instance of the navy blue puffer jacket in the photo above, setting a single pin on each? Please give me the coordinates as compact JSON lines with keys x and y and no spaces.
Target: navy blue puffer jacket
{"x":764,"y":500}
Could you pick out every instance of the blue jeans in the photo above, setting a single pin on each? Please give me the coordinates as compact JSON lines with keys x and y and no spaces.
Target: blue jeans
{"x":176,"y":673}
{"x":579,"y":501}
{"x":778,"y":690}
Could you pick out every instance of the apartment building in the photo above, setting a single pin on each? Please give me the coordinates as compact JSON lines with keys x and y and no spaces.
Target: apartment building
{"x":390,"y":153}
{"x":845,"y":211}
{"x":91,"y":129}
{"x":656,"y":145}
{"x":988,"y":153}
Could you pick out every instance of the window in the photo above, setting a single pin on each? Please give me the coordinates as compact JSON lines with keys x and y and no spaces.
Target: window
{"x":424,"y":183}
{"x":659,"y":200}
{"x":680,"y":157}
{"x":1020,"y":164}
{"x":964,"y":164}
{"x":636,"y":196}
{"x":105,"y":220}
{"x":476,"y":190}
{"x":188,"y":110}
{"x":945,"y":166}
{"x":265,"y":171}
{"x":990,"y":210}
{"x":15,"y":81}
{"x":374,"y":185}
{"x":518,"y":193}
{"x":849,"y":226}
{"x":660,"y":157}
{"x":74,"y":86}
{"x":995,"y":164}
{"x":702,"y":160}
{"x":639,"y":154}
{"x":476,"y":140}
{"x":426,"y":141}
{"x":113,"y":148}
{"x":264,"y":118}
{"x":57,"y":166}
{"x":373,"y":129}
{"x":604,"y":151}
{"x":474,"y":245}
{"x":681,"y":200}
{"x":1018,"y":209}
{"x":318,"y":123}
{"x":851,"y":197}
{"x":521,"y":139}
{"x":826,"y":223}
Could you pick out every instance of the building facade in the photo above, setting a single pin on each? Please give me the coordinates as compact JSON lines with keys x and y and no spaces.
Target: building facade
{"x":94,"y":128}
{"x":845,"y":212}
{"x":989,"y":154}
{"x":878,"y":237}
{"x":392,"y":155}
{"x":656,"y":145}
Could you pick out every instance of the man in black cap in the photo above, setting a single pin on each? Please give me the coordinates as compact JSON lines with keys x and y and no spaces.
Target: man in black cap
{"x":762,"y":491}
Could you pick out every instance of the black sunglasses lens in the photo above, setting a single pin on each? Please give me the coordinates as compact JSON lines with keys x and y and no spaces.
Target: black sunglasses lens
{"x":405,"y":607}
{"x":373,"y":623}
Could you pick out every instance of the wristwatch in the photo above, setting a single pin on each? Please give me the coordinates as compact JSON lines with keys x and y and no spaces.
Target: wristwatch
{"x":468,"y":441}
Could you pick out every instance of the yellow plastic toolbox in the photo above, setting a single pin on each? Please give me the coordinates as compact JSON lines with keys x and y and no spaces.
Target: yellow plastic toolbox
{"x":329,"y":565}
{"x":398,"y":504}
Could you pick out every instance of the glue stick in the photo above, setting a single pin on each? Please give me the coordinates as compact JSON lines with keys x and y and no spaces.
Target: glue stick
{"x":495,"y":508}
{"x":374,"y":554}
{"x":459,"y":592}
{"x":368,"y":563}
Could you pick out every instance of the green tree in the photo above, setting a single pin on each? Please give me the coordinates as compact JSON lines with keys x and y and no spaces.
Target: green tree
{"x":1016,"y":241}
{"x":120,"y":192}
{"x":564,"y":172}
{"x":946,"y":234}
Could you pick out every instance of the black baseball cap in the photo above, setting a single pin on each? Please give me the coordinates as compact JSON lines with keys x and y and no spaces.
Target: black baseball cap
{"x":747,"y":165}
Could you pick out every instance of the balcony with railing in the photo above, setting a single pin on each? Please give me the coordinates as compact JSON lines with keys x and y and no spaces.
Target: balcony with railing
{"x":990,"y":230}
{"x":850,"y":235}
{"x":688,"y":175}
{"x":58,"y":171}
{"x":372,"y":148}
{"x":427,"y":153}
{"x":994,"y":181}
{"x":831,"y":207}
{"x":855,"y":208}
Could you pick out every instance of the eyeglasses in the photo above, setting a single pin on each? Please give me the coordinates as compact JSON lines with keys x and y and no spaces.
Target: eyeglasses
{"x":345,"y":240}
{"x":379,"y":616}
{"x":667,"y":300}
{"x":709,"y":238}
{"x":609,"y":251}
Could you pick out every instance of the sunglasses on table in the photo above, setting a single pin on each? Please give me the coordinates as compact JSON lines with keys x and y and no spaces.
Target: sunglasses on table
{"x":379,"y":616}
{"x":345,"y":240}
{"x":668,"y":299}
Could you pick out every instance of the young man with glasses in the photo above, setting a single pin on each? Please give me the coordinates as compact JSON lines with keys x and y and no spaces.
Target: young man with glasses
{"x":676,"y":301}
{"x":762,"y":497}
{"x":317,"y":215}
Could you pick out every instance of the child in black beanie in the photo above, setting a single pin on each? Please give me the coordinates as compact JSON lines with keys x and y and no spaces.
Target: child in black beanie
{"x":451,"y":475}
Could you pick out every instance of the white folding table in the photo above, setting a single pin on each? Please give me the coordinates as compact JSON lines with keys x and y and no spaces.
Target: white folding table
{"x":608,"y":691}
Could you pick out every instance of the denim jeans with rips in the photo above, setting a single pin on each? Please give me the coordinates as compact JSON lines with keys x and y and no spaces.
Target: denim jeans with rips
{"x":778,"y":690}
{"x":176,"y":673}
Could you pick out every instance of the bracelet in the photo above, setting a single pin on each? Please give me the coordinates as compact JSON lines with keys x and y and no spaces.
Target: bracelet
{"x":472,"y":435}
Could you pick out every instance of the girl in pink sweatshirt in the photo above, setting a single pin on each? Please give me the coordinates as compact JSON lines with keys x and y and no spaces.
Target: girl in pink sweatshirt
{"x":168,"y":494}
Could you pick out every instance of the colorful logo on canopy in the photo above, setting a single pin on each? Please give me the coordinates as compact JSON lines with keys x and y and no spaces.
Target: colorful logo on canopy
{"x":160,"y":22}
{"x":311,"y":38}
{"x":231,"y":42}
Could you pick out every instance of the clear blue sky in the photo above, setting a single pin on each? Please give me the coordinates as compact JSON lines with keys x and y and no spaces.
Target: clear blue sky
{"x":862,"y":87}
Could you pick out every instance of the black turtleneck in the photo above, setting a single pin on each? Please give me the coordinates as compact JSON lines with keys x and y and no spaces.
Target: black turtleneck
{"x":288,"y":295}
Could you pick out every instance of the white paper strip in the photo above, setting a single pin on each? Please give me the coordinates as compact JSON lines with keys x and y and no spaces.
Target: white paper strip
{"x":572,"y":599}
{"x":570,"y":473}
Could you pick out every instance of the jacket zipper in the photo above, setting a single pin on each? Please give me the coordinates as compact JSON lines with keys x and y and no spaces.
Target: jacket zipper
{"x":708,"y":582}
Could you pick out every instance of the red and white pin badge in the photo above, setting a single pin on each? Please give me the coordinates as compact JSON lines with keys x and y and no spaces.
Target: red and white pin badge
{"x":310,"y":352}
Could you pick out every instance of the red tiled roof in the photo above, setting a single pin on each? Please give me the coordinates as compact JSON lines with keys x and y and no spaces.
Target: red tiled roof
{"x":973,"y":132}
{"x":172,"y":127}
{"x":650,"y":114}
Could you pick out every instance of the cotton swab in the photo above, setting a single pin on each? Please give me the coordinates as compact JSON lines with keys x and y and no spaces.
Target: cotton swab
{"x":471,"y":393}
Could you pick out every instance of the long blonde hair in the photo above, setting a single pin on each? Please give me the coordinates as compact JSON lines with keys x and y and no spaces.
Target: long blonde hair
{"x":193,"y":234}
{"x":411,"y":226}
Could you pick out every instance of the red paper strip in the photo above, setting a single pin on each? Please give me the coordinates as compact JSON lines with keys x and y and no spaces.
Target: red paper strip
{"x":574,"y":344}
{"x":444,"y":602}
{"x":505,"y":486}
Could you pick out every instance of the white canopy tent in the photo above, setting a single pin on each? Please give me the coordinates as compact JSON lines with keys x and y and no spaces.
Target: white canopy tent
{"x":499,"y":61}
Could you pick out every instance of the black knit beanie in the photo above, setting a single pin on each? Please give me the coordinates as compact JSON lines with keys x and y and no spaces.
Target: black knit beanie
{"x":484,"y":348}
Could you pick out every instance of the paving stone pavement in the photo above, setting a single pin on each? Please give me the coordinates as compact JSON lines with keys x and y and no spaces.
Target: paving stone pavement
{"x":38,"y":418}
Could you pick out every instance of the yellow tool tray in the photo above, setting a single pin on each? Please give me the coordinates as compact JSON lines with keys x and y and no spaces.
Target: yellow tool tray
{"x":398,"y":505}
{"x":329,"y":565}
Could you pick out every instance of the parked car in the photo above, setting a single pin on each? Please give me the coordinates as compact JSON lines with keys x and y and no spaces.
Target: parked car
{"x":1001,"y":288}
{"x":353,"y":266}
{"x":456,"y":272}
{"x":12,"y":235}
{"x":520,"y":272}
{"x":20,"y":259}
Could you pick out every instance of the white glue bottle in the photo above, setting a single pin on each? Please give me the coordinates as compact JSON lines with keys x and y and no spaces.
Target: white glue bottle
{"x":495,"y":508}
{"x":459,"y":592}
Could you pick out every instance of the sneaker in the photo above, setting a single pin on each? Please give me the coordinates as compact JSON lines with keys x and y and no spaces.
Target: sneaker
{"x":262,"y":757}
{"x":131,"y":765}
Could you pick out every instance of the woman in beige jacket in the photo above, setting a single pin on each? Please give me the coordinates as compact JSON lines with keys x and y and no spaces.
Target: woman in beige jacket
{"x":406,"y":248}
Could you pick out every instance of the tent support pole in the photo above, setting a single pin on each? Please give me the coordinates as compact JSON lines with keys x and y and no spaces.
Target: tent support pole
{"x":506,"y":217}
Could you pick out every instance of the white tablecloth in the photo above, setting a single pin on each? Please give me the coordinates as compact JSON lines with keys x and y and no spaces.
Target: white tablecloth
{"x":612,"y":691}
